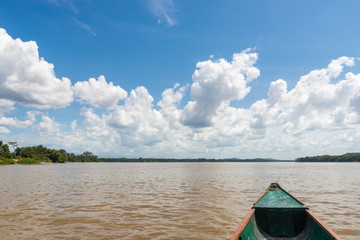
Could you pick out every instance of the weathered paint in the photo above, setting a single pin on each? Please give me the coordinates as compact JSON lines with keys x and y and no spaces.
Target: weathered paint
{"x":273,"y":211}
{"x":277,"y":199}
{"x":243,"y":225}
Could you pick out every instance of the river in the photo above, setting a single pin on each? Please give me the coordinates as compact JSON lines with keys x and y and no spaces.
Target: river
{"x":165,"y":200}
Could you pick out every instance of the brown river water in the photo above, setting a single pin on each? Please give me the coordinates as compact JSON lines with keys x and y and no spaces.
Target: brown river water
{"x":165,"y":200}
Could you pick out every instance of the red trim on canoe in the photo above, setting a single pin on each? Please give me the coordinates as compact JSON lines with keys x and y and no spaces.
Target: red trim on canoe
{"x":243,"y":225}
{"x":322,"y":225}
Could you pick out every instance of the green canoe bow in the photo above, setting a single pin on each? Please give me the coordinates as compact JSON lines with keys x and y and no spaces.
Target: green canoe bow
{"x":278,"y":215}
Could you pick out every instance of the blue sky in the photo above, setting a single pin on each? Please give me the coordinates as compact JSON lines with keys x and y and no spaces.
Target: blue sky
{"x":166,"y":78}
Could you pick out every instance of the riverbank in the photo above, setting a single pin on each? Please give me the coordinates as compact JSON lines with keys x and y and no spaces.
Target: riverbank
{"x":136,"y":160}
{"x":40,"y":154}
{"x":347,"y":157}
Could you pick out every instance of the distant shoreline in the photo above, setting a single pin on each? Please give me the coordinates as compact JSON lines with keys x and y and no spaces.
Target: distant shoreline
{"x":164,"y":160}
{"x":42,"y":155}
{"x":190,"y":160}
{"x":347,"y":157}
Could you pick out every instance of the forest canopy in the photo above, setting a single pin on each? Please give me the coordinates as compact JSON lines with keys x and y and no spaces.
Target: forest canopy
{"x":39,"y":154}
{"x":348,"y":157}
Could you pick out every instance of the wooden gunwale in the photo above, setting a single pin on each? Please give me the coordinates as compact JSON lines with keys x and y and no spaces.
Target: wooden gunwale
{"x":322,"y":225}
{"x":243,"y":225}
{"x":310,"y":213}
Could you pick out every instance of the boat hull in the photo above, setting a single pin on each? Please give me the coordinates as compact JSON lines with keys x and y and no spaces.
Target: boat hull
{"x":278,"y":215}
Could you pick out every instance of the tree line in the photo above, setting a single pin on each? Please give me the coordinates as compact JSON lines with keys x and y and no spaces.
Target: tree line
{"x":188,"y":160}
{"x":38,"y":154}
{"x":348,"y":157}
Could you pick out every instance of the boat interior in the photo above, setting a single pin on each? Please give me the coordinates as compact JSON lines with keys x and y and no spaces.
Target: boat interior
{"x":278,"y":215}
{"x":273,"y":224}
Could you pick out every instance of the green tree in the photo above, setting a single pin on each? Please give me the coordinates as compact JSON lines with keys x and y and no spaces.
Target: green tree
{"x":89,"y":157}
{"x":56,"y":157}
{"x":4,"y":150}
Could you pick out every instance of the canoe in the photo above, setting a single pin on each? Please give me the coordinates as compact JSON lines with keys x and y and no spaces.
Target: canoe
{"x":278,"y":215}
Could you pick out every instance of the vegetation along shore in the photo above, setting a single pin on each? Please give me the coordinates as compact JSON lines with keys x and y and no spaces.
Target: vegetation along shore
{"x":40,"y":154}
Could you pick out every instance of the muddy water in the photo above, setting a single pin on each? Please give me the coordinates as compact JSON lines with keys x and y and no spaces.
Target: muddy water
{"x":165,"y":200}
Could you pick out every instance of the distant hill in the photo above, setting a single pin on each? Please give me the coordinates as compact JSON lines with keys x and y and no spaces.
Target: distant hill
{"x":348,"y":157}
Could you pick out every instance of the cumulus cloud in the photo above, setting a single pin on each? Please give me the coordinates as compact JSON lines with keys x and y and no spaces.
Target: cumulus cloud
{"x":13,"y":122}
{"x":6,"y":105}
{"x":31,"y":115}
{"x":136,"y":127}
{"x":323,"y":109}
{"x":318,"y":101}
{"x":27,"y":79}
{"x":285,"y":120}
{"x":6,"y":123}
{"x":95,"y":126}
{"x":137,"y":107}
{"x":48,"y":126}
{"x":171,"y":98}
{"x":99,"y":93}
{"x":137,"y":121}
{"x":219,"y":82}
{"x":4,"y":130}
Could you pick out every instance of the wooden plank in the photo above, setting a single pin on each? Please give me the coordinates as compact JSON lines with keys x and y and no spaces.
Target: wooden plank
{"x":243,"y":225}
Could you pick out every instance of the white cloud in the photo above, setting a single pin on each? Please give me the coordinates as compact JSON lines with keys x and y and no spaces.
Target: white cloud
{"x":134,"y":127}
{"x":6,"y":105}
{"x":48,"y":127}
{"x":31,"y":115}
{"x":137,"y":107}
{"x":27,"y":79}
{"x":13,"y":122}
{"x":99,"y":93}
{"x":136,"y":121}
{"x":164,"y":10}
{"x":95,"y":126}
{"x":316,"y":102}
{"x":4,"y":130}
{"x":319,"y":102}
{"x":6,"y":123}
{"x":171,"y":97}
{"x":9,"y":122}
{"x":216,"y":83}
{"x":321,"y":114}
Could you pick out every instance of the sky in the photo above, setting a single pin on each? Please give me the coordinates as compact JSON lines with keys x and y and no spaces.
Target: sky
{"x":181,"y":79}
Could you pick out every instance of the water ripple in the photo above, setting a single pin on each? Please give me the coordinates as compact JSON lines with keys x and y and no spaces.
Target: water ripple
{"x":165,"y":200}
